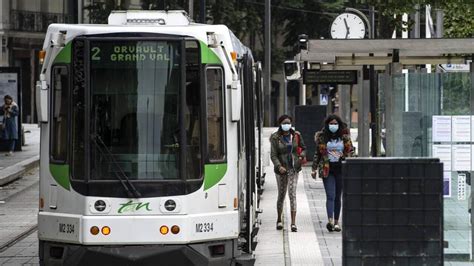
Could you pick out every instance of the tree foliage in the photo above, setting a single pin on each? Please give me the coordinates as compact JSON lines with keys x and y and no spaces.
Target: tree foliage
{"x":458,"y":21}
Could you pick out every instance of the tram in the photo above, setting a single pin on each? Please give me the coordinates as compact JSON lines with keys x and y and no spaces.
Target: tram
{"x":150,"y":134}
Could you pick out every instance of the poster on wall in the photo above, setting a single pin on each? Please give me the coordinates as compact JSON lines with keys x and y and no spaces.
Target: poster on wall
{"x":461,"y":158}
{"x":472,"y":128}
{"x":461,"y":186}
{"x":446,"y":184}
{"x":441,"y":128}
{"x":443,"y":152}
{"x":461,"y":128}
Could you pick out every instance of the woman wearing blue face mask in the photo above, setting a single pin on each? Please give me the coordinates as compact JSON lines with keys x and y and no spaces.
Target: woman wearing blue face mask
{"x":333,"y":144}
{"x":287,"y":165}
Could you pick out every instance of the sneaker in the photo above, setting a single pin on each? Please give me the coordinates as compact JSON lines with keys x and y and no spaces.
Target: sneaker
{"x":337,"y":228}
{"x":330,"y":227}
{"x":294,"y":228}
{"x":279,"y":225}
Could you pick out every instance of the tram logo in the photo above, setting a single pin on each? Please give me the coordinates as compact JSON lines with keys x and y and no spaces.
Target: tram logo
{"x":133,"y":206}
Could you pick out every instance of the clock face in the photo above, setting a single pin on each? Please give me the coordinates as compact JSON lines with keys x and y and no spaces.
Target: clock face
{"x":348,"y":26}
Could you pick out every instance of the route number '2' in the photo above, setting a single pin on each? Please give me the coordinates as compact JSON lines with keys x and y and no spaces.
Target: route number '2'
{"x":204,"y":227}
{"x":95,"y":53}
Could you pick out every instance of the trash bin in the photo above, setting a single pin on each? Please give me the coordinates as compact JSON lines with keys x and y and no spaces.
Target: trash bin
{"x":392,"y":211}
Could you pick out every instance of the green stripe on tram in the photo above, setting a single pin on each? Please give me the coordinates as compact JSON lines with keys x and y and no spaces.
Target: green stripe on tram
{"x":60,"y":173}
{"x":213,"y":173}
{"x":208,"y":56}
{"x":64,"y":55}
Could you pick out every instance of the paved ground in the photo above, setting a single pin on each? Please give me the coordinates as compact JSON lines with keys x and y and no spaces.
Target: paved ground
{"x":31,"y":148}
{"x":12,"y":167}
{"x":25,"y":252}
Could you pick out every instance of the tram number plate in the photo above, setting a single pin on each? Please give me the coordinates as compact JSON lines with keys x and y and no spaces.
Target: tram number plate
{"x":204,"y":227}
{"x":66,"y":228}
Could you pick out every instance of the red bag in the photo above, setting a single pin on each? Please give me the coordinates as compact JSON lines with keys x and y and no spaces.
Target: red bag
{"x":299,"y":149}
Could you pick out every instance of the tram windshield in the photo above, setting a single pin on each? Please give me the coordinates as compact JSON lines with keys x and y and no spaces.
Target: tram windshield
{"x":135,"y":92}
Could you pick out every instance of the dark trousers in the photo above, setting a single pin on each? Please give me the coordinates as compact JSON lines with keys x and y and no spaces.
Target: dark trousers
{"x":333,"y":187}
{"x":11,"y":144}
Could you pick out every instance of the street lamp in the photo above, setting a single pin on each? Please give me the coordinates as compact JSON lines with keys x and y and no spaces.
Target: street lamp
{"x":303,"y":42}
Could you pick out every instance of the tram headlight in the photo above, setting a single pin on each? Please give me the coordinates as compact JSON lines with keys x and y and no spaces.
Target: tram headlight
{"x":100,"y":205}
{"x":175,"y":229}
{"x":105,"y":230}
{"x":164,"y":229}
{"x":95,"y":230}
{"x":170,"y":205}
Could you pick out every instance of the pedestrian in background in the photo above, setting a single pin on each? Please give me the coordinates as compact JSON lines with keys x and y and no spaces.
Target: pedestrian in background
{"x":333,"y":145}
{"x":9,"y":126}
{"x":287,"y":154}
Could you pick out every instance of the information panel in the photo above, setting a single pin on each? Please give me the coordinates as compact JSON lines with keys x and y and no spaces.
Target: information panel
{"x":461,"y":128}
{"x":311,"y":76}
{"x":443,"y":152}
{"x":461,"y":158}
{"x":441,"y":128}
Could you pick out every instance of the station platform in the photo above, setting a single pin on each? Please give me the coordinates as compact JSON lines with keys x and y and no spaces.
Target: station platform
{"x":13,"y":167}
{"x":312,"y":244}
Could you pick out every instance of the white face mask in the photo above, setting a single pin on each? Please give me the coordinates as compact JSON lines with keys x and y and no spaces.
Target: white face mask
{"x":286,"y":127}
{"x":333,"y":128}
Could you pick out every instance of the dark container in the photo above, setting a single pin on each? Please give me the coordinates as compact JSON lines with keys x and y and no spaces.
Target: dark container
{"x":392,"y":211}
{"x":308,"y":120}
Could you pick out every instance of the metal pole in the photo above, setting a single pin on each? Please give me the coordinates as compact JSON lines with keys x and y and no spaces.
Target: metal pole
{"x":439,"y":23}
{"x":285,"y":98}
{"x":372,"y":22}
{"x":471,"y":68}
{"x":202,"y":12}
{"x":417,"y":21}
{"x":375,"y":142}
{"x":80,"y":11}
{"x":302,"y":98}
{"x":268,"y":49}
{"x":191,"y":9}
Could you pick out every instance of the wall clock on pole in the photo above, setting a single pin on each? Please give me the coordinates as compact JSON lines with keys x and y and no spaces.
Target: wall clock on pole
{"x":348,"y":26}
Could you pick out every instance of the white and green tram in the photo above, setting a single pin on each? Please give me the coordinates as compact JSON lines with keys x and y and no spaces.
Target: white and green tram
{"x":150,"y":128}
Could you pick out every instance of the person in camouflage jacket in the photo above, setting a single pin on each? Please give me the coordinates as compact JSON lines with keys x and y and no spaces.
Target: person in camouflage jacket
{"x":333,"y":145}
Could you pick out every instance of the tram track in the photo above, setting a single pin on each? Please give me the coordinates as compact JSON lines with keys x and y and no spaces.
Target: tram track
{"x":18,"y":238}
{"x":18,"y":209}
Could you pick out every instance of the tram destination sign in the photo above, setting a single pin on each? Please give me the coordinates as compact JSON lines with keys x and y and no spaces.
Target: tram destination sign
{"x":311,"y":76}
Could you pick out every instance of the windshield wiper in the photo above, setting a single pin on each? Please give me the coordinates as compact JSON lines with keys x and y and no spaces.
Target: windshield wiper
{"x":124,"y":180}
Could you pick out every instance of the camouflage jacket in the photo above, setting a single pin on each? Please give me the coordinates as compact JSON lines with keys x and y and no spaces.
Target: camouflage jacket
{"x":279,"y":151}
{"x":321,"y":158}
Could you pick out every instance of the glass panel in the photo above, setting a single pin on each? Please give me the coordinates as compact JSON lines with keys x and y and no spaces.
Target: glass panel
{"x":192,"y":111}
{"x":410,"y":106}
{"x":60,"y":106}
{"x":78,"y":111}
{"x":215,"y":116}
{"x":135,"y":92}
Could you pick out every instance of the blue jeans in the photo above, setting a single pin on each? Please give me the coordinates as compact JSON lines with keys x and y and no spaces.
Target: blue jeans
{"x":333,"y":187}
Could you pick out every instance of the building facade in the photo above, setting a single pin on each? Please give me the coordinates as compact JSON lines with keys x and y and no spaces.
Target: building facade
{"x":23,"y":24}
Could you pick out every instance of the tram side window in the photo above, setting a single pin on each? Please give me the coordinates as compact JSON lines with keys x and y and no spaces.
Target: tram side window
{"x":215,"y":114}
{"x":59,"y":132}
